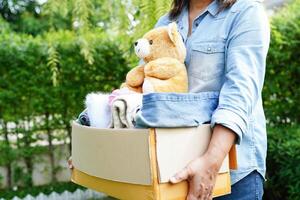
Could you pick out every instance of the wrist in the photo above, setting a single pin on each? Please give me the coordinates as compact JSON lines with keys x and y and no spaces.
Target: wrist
{"x":213,"y":160}
{"x":220,"y":144}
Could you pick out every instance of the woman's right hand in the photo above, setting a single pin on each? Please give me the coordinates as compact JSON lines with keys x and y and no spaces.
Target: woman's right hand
{"x":70,"y":164}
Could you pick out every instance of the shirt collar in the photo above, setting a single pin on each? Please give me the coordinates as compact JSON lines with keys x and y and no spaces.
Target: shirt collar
{"x":183,"y":19}
{"x":213,"y":8}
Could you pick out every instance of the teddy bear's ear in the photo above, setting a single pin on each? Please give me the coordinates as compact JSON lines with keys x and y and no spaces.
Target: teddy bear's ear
{"x":177,"y":41}
{"x":173,"y":32}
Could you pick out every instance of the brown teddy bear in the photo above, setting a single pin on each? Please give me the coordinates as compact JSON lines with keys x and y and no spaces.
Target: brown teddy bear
{"x":163,"y":53}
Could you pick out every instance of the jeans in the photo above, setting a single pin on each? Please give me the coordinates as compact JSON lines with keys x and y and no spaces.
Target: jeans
{"x":248,"y":188}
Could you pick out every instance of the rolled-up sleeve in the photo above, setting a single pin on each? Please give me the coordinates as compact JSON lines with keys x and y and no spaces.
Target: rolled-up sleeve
{"x":245,"y":55}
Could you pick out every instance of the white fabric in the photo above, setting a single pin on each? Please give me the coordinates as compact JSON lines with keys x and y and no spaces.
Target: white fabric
{"x":98,"y":110}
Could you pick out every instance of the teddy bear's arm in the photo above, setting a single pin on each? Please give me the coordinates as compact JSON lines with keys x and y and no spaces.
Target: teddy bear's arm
{"x":135,"y":77}
{"x":137,"y":89}
{"x":163,"y":68}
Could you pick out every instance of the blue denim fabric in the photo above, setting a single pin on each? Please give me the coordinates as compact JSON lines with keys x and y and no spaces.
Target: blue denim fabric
{"x":83,"y":118}
{"x":170,"y":110}
{"x":226,"y":53}
{"x":249,"y":188}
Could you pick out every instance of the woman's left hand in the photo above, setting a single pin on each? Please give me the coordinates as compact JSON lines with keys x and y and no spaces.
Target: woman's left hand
{"x":201,"y":175}
{"x":70,"y":164}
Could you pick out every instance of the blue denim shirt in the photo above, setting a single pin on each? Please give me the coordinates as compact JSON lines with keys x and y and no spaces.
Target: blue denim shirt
{"x":226,"y":52}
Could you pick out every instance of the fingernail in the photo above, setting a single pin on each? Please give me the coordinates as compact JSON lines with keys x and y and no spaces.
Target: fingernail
{"x":173,"y":179}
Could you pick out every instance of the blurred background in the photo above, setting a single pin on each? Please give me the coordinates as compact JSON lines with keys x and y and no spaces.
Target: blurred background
{"x":53,"y":52}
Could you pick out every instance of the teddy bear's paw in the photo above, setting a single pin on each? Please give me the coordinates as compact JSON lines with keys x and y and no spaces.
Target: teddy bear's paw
{"x":135,"y":76}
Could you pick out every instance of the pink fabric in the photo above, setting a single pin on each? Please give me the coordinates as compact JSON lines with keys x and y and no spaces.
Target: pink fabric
{"x":117,"y":93}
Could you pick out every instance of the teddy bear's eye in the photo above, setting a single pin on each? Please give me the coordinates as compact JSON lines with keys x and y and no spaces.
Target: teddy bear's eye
{"x":151,"y":42}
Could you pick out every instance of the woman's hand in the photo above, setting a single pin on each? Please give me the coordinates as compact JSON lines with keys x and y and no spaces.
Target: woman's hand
{"x":202,"y":172}
{"x":201,"y":175}
{"x":70,"y":164}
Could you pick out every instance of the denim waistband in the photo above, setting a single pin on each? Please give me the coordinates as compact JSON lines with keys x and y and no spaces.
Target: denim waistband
{"x":179,"y":96}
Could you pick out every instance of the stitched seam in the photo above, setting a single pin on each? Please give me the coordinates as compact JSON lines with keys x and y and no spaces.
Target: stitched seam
{"x":256,"y":187}
{"x":204,"y":96}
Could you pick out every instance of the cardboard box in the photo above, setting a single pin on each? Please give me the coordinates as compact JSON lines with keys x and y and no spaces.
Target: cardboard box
{"x":137,"y":163}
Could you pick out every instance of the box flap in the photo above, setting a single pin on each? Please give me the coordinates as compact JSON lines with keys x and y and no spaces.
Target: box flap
{"x":177,"y":147}
{"x":117,"y":155}
{"x":233,"y":158}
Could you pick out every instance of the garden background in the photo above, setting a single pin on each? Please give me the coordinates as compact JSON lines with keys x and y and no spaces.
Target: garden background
{"x":52,"y":53}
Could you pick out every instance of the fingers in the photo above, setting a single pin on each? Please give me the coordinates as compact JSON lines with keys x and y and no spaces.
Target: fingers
{"x":206,"y":192}
{"x":70,"y":164}
{"x":201,"y":180}
{"x":210,"y":197}
{"x":199,"y":190}
{"x":182,"y":175}
{"x":192,"y":197}
{"x":195,"y":191}
{"x":210,"y":193}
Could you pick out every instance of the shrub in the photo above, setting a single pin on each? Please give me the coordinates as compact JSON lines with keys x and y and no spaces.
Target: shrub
{"x":282,"y":91}
{"x":281,"y":98}
{"x":283,"y":169}
{"x":27,"y":77}
{"x":43,"y":83}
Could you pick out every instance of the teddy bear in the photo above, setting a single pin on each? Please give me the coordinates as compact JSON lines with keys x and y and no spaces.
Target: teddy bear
{"x":163,"y":53}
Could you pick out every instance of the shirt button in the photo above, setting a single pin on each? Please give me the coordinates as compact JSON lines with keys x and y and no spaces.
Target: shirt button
{"x":208,"y":49}
{"x":197,"y":24}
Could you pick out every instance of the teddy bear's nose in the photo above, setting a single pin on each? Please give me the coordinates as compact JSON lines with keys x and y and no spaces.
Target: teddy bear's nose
{"x":136,"y":43}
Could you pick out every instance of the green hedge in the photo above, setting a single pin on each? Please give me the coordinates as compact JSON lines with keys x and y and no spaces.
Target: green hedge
{"x":283,"y":163}
{"x":43,"y":82}
{"x":281,"y":101}
{"x":27,"y":77}
{"x":282,"y":91}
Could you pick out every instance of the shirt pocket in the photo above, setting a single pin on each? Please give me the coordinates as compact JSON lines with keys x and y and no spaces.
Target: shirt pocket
{"x":207,"y":60}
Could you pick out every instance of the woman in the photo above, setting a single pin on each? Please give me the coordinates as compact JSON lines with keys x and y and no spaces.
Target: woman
{"x":227,"y":43}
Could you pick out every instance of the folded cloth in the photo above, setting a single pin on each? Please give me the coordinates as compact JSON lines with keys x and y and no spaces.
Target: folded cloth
{"x":83,"y":118}
{"x":170,"y":110}
{"x":124,"y":108}
{"x":117,"y":93}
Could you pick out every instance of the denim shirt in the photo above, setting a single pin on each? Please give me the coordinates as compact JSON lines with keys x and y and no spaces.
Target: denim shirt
{"x":226,"y":53}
